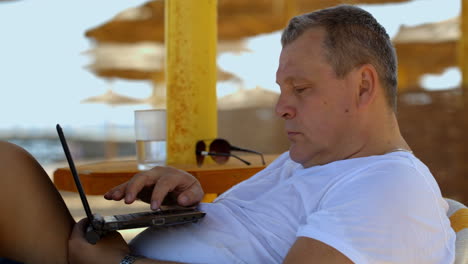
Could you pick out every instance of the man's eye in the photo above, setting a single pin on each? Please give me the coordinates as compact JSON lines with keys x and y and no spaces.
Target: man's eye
{"x":299,"y":90}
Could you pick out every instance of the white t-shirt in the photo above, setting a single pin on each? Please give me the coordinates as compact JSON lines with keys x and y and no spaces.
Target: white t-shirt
{"x":377,"y":209}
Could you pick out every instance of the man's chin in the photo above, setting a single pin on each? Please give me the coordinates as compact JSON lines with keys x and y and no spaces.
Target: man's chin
{"x":296,"y":155}
{"x":306,"y":159}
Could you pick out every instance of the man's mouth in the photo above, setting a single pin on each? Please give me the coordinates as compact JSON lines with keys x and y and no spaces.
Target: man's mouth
{"x":292,"y":133}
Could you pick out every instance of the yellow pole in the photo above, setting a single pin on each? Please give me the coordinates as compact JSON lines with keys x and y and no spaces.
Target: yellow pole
{"x":463,"y":47}
{"x":191,"y":36}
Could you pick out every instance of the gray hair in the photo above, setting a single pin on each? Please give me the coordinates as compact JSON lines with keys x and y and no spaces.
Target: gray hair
{"x":353,"y":38}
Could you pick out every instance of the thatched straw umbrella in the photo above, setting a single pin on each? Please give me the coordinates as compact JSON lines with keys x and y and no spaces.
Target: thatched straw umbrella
{"x":237,"y":19}
{"x":427,"y":48}
{"x":141,"y":61}
{"x":249,"y":98}
{"x":113,"y":99}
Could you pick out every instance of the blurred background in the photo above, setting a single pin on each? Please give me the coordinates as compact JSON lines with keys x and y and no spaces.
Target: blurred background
{"x":89,"y":64}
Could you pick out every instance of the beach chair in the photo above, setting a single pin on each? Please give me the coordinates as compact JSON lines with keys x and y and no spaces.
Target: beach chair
{"x":458,"y":214}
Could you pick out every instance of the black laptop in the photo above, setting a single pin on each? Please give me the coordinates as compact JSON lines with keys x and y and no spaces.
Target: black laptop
{"x":100,"y":225}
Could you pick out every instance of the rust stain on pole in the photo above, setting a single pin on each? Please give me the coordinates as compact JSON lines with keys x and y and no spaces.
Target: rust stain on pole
{"x":191,"y":38}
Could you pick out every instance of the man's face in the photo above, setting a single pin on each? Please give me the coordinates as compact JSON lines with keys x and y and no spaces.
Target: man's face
{"x":319,"y":109}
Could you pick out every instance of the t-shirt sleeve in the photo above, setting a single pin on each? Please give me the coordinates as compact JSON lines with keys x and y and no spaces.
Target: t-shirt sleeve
{"x":381,"y":215}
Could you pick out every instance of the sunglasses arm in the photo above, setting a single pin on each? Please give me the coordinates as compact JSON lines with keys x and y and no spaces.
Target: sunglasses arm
{"x":206,"y":153}
{"x":234,"y":148}
{"x":239,"y":158}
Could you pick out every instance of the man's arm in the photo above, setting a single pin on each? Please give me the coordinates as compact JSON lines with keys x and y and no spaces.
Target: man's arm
{"x":308,"y":250}
{"x":112,"y":248}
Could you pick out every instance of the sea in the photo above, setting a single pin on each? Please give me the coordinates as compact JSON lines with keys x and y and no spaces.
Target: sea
{"x":85,"y":144}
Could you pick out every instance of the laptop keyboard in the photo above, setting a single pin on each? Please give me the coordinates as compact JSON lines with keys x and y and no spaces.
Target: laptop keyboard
{"x":127,"y":217}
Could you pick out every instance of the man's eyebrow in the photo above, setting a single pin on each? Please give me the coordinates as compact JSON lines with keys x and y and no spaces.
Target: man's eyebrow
{"x":286,"y":80}
{"x":291,"y":80}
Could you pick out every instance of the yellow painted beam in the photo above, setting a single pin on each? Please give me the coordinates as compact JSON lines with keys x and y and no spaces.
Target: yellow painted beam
{"x":190,"y":36}
{"x":403,"y":78}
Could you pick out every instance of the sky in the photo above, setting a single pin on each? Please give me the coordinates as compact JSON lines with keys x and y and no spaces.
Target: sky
{"x":43,"y":79}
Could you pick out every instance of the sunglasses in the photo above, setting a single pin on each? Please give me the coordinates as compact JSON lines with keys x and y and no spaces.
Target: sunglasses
{"x":220,"y":151}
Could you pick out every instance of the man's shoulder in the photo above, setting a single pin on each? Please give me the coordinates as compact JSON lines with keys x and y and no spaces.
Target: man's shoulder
{"x":396,"y":181}
{"x":396,"y":170}
{"x":392,"y":201}
{"x":374,"y":179}
{"x":394,"y":166}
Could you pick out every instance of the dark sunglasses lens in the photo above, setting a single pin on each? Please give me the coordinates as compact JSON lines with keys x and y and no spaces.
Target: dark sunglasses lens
{"x":198,"y":150}
{"x":220,"y":146}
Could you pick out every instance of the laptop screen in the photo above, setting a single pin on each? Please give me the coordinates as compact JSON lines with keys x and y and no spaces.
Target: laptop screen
{"x":75,"y":174}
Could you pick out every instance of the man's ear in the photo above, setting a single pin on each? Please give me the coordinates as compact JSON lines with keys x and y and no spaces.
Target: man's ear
{"x":367,"y":85}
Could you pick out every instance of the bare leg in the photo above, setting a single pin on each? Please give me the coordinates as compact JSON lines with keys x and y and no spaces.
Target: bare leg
{"x":35,"y":223}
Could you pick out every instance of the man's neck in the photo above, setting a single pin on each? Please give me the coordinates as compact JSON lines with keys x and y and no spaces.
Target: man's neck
{"x":383,"y":136}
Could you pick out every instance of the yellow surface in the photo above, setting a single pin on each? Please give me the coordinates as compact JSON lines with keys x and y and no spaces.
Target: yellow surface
{"x":459,"y":219}
{"x":209,"y":197}
{"x":190,"y":36}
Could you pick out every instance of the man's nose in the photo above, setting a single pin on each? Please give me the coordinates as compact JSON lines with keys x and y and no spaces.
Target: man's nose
{"x":284,"y":108}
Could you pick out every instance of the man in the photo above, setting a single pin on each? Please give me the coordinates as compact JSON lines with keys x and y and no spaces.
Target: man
{"x":349,"y":189}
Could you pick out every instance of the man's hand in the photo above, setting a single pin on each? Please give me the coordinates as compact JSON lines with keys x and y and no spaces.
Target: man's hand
{"x":111,"y":248}
{"x":153,"y":186}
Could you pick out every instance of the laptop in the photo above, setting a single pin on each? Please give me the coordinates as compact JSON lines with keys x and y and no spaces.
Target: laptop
{"x":99,"y":225}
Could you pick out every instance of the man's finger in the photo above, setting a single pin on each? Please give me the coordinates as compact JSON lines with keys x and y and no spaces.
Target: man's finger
{"x":136,"y":184}
{"x":145,"y":193}
{"x":161,"y":189}
{"x":116,"y":193}
{"x":193,"y":195}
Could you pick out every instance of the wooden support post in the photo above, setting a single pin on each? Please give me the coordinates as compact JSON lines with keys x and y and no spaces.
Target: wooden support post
{"x":191,"y":37}
{"x":463,"y":48}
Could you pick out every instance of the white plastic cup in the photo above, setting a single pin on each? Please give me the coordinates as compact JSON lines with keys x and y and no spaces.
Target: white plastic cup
{"x":150,"y":135}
